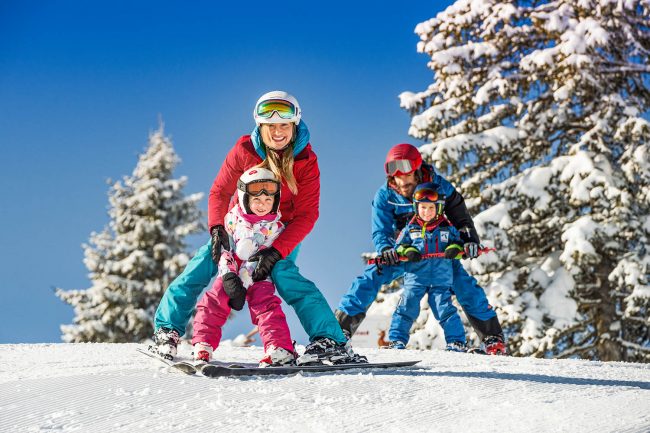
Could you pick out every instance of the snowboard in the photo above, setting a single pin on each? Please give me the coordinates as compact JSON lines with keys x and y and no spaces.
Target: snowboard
{"x":222,"y":369}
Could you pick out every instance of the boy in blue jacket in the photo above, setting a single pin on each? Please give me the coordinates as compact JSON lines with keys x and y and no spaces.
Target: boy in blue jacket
{"x":429,"y":231}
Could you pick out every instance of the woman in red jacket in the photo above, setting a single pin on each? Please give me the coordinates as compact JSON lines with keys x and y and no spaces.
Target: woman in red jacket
{"x":280,"y":142}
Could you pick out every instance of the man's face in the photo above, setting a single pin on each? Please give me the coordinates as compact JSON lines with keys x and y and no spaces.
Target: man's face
{"x":405,"y":184}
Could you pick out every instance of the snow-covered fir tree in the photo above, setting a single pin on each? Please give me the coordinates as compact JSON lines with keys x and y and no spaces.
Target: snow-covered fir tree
{"x":538,"y":114}
{"x":136,"y":256}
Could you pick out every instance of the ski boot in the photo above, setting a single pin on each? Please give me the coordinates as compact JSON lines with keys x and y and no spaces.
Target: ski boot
{"x":202,"y":352}
{"x":456,"y":346}
{"x":397,"y":345}
{"x":494,"y":345}
{"x":278,"y":357}
{"x":324,"y":350}
{"x":165,"y":342}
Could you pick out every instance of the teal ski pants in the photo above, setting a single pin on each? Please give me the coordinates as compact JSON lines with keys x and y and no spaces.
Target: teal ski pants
{"x":313,"y":311}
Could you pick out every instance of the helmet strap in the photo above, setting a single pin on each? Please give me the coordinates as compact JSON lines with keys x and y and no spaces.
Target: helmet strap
{"x":247,"y":199}
{"x":418,"y":176}
{"x":276,"y":204}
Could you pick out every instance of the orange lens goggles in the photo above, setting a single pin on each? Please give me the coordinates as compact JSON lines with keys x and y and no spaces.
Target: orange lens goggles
{"x":268,"y":187}
{"x":426,"y":195}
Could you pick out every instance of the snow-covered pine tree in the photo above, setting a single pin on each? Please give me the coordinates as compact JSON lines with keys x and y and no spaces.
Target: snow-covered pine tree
{"x":132,"y":261}
{"x":538,"y":114}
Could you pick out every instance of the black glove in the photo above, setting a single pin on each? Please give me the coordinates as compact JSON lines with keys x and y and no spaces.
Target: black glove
{"x":471,"y":250}
{"x":389,"y":256}
{"x":235,"y":290}
{"x":453,"y":251}
{"x":413,"y":255}
{"x":219,"y":240}
{"x":471,"y":242}
{"x":266,"y":259}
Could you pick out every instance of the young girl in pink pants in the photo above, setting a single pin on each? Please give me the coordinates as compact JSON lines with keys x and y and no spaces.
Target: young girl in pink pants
{"x":253,"y":224}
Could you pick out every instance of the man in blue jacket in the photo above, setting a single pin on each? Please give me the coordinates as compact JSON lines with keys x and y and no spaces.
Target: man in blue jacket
{"x":392,"y":209}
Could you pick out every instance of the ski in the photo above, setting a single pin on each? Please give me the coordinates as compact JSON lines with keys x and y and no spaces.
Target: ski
{"x":183,"y":366}
{"x":211,"y":370}
{"x":224,"y":369}
{"x":189,"y":367}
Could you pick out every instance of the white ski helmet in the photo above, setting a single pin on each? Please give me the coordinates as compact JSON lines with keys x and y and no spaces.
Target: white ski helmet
{"x":257,"y":181}
{"x":277,"y":107}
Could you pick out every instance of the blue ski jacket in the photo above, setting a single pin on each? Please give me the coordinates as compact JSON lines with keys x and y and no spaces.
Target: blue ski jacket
{"x":392,"y":211}
{"x":432,"y":237}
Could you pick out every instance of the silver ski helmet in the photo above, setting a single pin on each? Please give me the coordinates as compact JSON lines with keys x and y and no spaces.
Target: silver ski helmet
{"x":277,"y":107}
{"x":255,"y":182}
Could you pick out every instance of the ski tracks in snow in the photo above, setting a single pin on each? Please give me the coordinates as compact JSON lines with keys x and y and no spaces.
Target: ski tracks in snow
{"x":110,"y":388}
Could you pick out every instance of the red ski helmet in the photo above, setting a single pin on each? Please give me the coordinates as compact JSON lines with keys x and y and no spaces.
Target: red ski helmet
{"x":402,"y":158}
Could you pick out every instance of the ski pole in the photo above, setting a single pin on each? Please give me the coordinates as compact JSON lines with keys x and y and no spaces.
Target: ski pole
{"x":378,"y":260}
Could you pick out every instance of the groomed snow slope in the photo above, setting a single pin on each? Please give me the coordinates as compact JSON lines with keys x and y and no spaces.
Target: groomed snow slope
{"x":112,"y":388}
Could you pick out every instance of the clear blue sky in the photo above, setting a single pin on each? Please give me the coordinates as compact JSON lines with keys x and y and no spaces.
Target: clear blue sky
{"x":82,"y":84}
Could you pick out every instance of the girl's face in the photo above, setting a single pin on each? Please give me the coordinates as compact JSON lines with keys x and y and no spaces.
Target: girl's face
{"x":261,"y":205}
{"x":427,"y":211}
{"x":277,"y":136}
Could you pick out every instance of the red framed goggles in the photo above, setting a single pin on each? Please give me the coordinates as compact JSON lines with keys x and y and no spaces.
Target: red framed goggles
{"x":259,"y":187}
{"x":425,"y":194}
{"x":284,"y":109}
{"x":401,"y":166}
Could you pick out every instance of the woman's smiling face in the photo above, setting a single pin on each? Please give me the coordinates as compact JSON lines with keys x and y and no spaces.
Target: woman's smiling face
{"x":277,"y":135}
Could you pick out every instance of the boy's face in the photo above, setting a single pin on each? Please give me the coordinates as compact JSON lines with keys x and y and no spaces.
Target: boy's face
{"x":261,"y":205}
{"x":427,"y":211}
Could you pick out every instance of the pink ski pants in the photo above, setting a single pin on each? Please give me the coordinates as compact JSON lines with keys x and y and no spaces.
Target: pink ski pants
{"x":212,"y":312}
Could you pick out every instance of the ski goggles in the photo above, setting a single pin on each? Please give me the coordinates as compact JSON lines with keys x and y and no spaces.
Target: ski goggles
{"x":259,"y":187}
{"x":403,"y":166}
{"x":284,"y":109}
{"x":427,"y":195}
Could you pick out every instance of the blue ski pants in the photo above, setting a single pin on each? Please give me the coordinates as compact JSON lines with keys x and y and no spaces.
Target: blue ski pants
{"x":441,"y":305}
{"x":313,"y":311}
{"x":470,"y":295}
{"x":364,"y":289}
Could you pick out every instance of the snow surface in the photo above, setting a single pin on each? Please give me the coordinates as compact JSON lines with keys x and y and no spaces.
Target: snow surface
{"x":112,"y":388}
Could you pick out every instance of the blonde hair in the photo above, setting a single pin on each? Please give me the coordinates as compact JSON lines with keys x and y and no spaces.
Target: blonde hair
{"x":281,"y":164}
